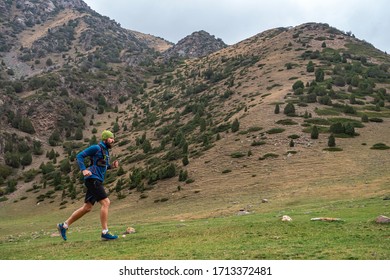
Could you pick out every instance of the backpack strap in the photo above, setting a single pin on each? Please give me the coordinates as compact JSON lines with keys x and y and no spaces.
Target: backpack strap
{"x":91,"y":157}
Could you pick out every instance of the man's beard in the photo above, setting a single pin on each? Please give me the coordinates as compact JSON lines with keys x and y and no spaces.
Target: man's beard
{"x":108,"y":145}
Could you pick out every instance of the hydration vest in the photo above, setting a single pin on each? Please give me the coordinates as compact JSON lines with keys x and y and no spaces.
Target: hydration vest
{"x":99,"y":161}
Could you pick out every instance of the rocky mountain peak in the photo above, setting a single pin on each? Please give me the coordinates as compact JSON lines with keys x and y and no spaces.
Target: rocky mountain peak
{"x":198,"y":44}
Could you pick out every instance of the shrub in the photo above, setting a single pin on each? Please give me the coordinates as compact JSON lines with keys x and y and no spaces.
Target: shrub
{"x":293,"y":136}
{"x":11,"y":186}
{"x":237,"y":155}
{"x":54,"y":138}
{"x":269,"y":155}
{"x":349,"y":129}
{"x":235,"y":125}
{"x":380,"y":146}
{"x":258,"y":143}
{"x":12,"y":159}
{"x":298,"y":84}
{"x":331,"y":141}
{"x":314,"y":132}
{"x":320,"y":74}
{"x":37,"y":147}
{"x":310,"y":67}
{"x":30,"y":175}
{"x":26,"y":159}
{"x":286,"y":122}
{"x":376,"y":120}
{"x":319,"y":121}
{"x":337,"y":128}
{"x":349,"y":109}
{"x":277,"y":109}
{"x":5,"y":171}
{"x":185,"y":160}
{"x":183,"y":175}
{"x":275,"y":130}
{"x":289,"y":110}
{"x":254,"y":128}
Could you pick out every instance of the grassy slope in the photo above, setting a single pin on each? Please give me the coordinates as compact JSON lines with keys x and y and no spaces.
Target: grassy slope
{"x":201,"y":222}
{"x":259,"y":235}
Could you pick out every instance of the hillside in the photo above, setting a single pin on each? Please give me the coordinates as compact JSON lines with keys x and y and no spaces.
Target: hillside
{"x":200,"y":137}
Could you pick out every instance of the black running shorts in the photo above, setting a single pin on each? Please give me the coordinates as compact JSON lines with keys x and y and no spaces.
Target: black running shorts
{"x":95,"y":191}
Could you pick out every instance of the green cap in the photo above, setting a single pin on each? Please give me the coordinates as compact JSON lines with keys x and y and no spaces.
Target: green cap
{"x":107,"y":134}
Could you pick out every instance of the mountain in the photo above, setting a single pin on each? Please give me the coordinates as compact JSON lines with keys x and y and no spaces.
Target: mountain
{"x":48,"y":42}
{"x":237,"y":124}
{"x":198,"y":44}
{"x":66,"y":32}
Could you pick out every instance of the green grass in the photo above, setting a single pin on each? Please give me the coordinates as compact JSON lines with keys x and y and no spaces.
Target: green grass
{"x":259,"y":235}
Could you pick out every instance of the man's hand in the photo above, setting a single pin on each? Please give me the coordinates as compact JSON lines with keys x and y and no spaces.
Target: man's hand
{"x":87,"y":173}
{"x":115,"y":164}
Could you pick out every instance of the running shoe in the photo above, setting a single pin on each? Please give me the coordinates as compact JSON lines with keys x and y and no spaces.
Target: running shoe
{"x":62,"y":230}
{"x":108,"y":236}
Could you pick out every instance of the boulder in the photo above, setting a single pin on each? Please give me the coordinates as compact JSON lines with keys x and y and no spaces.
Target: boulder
{"x":286,"y":218}
{"x":382,"y":219}
{"x":129,"y":230}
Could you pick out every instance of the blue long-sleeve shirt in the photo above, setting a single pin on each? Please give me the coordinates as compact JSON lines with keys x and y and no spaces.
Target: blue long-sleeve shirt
{"x":96,"y":153}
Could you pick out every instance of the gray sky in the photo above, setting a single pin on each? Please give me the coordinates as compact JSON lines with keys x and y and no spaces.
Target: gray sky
{"x":236,"y":20}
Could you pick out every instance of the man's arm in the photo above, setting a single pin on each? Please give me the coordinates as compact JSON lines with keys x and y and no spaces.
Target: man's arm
{"x":90,"y":151}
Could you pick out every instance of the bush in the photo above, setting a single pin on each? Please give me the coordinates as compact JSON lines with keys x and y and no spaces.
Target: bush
{"x":54,"y":138}
{"x":12,"y":159}
{"x":269,"y":155}
{"x":286,"y":122}
{"x":5,"y":171}
{"x":11,"y":186}
{"x":314,"y":132}
{"x":277,"y":109}
{"x":183,"y":175}
{"x":237,"y":155}
{"x":337,"y":128}
{"x":294,"y":136}
{"x":30,"y":175}
{"x":26,"y":159}
{"x":275,"y":130}
{"x":310,"y":67}
{"x":320,"y":74}
{"x":365,"y":118}
{"x":376,"y":120}
{"x":235,"y":125}
{"x":298,"y":84}
{"x":380,"y":146}
{"x":258,"y":143}
{"x":331,"y":141}
{"x":289,"y":109}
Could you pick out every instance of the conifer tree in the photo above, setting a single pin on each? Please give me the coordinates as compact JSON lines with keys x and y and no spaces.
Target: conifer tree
{"x":314,"y":132}
{"x":235,"y":125}
{"x":26,"y":159}
{"x":185,"y":160}
{"x":331,"y":141}
{"x":289,"y":110}
{"x":277,"y":109}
